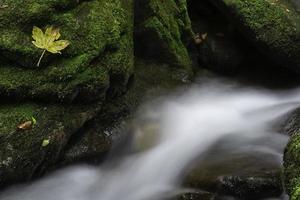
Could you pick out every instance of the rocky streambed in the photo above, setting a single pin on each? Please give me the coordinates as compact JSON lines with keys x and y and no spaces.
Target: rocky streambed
{"x":123,"y":53}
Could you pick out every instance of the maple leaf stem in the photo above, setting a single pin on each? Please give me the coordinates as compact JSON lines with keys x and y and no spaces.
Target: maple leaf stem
{"x":39,"y":62}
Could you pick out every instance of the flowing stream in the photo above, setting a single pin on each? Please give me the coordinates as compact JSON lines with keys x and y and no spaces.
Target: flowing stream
{"x":170,"y":133}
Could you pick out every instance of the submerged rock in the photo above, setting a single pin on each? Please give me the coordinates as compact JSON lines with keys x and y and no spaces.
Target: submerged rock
{"x":272,"y":26}
{"x":237,"y":173}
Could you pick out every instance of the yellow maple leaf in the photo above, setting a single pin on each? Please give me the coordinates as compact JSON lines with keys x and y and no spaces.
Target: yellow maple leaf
{"x":48,"y":41}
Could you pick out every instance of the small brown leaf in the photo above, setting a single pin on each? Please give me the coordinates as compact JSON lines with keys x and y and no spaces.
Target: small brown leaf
{"x":198,"y":39}
{"x":25,"y":126}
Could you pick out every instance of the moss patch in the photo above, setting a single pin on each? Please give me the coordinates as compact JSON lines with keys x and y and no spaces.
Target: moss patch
{"x":163,"y":30}
{"x":22,"y":154}
{"x":100,"y":33}
{"x":291,"y":167}
{"x":274,"y":26}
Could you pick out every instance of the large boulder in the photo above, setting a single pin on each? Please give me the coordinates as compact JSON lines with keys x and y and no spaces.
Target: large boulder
{"x":100,"y":53}
{"x":27,"y":153}
{"x":163,"y":31}
{"x":272,"y":26}
{"x":97,"y":65}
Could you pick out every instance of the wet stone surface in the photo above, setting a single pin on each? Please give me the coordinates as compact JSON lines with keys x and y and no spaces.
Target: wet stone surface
{"x":250,"y":170}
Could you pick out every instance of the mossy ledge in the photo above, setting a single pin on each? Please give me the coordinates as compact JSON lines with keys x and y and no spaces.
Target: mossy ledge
{"x":101,"y":49}
{"x":272,"y":26}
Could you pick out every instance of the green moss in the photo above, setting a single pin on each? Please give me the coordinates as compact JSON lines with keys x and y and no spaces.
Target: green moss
{"x":291,"y":167}
{"x":100,"y":33}
{"x":62,"y":83}
{"x":22,"y":154}
{"x":274,"y":26}
{"x":164,"y":29}
{"x":176,"y":52}
{"x":99,"y":59}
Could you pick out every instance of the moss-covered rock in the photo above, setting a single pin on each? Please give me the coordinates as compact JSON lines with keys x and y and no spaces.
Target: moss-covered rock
{"x":163,"y":31}
{"x":101,"y":50}
{"x":272,"y":25}
{"x":22,"y":153}
{"x":291,"y":167}
{"x":97,"y":65}
{"x":292,"y":157}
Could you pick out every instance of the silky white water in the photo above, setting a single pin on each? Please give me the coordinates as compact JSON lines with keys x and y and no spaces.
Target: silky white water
{"x":181,"y":128}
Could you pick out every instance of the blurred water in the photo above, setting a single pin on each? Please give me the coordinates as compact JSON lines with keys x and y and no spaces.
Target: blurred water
{"x":180,"y":127}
